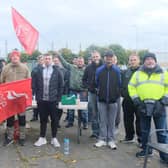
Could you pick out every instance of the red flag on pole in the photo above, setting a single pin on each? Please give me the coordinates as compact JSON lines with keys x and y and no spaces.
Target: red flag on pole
{"x":14,"y":98}
{"x":26,"y":33}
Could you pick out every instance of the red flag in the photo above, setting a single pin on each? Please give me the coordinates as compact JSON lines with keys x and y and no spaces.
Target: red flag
{"x":14,"y":98}
{"x":25,"y":32}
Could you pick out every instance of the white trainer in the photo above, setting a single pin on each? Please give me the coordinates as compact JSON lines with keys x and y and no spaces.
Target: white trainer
{"x":28,"y":126}
{"x":41,"y":141}
{"x":112,"y":145}
{"x":100,"y":143}
{"x":55,"y":143}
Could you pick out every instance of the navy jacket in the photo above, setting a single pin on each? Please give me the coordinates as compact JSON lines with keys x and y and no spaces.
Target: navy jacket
{"x":33,"y":76}
{"x":108,"y":82}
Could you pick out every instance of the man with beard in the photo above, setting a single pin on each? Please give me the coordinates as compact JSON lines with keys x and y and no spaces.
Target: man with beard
{"x":89,"y":83}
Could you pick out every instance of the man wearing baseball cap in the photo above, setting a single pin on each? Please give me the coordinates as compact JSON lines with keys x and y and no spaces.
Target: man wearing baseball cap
{"x":108,"y":81}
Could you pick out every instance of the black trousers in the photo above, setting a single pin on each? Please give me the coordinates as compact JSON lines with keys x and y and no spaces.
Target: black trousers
{"x":35,"y":113}
{"x":130,"y":112}
{"x":47,"y":108}
{"x":60,"y":112}
{"x":21,"y":119}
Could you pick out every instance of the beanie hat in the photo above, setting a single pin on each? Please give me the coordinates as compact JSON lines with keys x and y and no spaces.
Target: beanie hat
{"x":109,"y":54}
{"x":147,"y":55}
{"x":15,"y":52}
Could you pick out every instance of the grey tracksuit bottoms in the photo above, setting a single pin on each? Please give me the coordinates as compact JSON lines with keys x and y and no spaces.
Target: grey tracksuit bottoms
{"x":107,"y":115}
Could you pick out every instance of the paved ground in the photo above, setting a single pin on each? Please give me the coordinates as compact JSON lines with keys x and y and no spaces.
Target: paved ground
{"x":81,"y":155}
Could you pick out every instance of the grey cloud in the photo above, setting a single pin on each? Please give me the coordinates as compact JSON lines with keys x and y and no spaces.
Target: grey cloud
{"x":90,"y":21}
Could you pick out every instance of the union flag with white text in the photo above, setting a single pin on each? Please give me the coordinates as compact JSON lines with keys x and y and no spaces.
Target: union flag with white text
{"x":26,"y":33}
{"x":15,"y":97}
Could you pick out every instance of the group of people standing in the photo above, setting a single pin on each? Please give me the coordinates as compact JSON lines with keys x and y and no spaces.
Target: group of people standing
{"x":102,"y":83}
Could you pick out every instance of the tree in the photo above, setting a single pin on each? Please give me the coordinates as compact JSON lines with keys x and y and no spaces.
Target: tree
{"x":141,"y":53}
{"x":35,"y":54}
{"x":51,"y":52}
{"x":67,"y":54}
{"x":24,"y":57}
{"x":91,"y":48}
{"x":120,"y":52}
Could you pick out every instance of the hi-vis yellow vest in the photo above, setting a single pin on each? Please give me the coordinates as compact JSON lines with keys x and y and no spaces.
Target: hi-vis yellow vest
{"x":152,"y":87}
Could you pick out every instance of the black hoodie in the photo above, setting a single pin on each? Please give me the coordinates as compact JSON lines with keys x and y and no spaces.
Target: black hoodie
{"x":88,"y":79}
{"x":125,"y":78}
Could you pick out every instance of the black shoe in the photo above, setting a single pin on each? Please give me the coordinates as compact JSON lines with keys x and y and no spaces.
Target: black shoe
{"x":139,"y":139}
{"x":126,"y":140}
{"x":139,"y":145}
{"x":85,"y":126}
{"x":164,"y":161}
{"x":142,"y":153}
{"x":34,"y":119}
{"x":7,"y":141}
{"x":65,"y":120}
{"x":58,"y":126}
{"x":21,"y":142}
{"x":93,"y":136}
{"x":69,"y":125}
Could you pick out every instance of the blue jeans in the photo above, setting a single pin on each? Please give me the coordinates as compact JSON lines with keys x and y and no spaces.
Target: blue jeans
{"x":92,"y":100}
{"x":84,"y":113}
{"x":89,"y":111}
{"x":118,"y":116}
{"x":162,"y":136}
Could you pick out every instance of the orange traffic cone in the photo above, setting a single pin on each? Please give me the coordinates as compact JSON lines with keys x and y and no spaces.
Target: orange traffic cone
{"x":16,"y":130}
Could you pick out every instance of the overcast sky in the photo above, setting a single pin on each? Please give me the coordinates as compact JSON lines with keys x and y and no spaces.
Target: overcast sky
{"x":135,"y":24}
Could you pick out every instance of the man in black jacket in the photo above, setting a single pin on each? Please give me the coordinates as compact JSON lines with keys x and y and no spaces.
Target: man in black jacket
{"x":2,"y":64}
{"x":66,"y":74}
{"x":48,"y":89}
{"x":89,"y":83}
{"x":108,"y":82}
{"x":40,"y":61}
{"x":129,"y":109}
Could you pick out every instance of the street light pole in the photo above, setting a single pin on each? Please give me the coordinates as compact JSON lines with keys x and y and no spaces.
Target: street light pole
{"x":6,"y":48}
{"x":136,"y":37}
{"x":52,"y":46}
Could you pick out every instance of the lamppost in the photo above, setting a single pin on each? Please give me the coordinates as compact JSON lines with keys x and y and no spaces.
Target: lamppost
{"x":136,"y":37}
{"x":6,"y":48}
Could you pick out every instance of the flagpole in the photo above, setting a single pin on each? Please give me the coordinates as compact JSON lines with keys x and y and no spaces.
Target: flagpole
{"x":80,"y":47}
{"x":52,"y":46}
{"x":66,"y":45}
{"x":6,"y":48}
{"x":38,"y":44}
